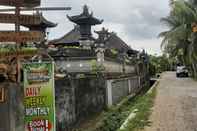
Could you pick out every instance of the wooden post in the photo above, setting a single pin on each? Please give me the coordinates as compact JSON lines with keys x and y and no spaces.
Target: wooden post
{"x":17,"y":29}
{"x":18,"y":4}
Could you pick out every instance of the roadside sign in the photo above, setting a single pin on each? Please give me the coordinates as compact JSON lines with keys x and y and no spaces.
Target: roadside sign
{"x":23,"y":19}
{"x":21,"y":3}
{"x":39,"y":96}
{"x":22,"y":36}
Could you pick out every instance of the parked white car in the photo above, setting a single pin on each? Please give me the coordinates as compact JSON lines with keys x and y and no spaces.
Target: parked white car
{"x":182,"y":71}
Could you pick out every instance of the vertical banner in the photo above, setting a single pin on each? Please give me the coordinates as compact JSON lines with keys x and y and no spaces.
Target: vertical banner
{"x":39,"y":96}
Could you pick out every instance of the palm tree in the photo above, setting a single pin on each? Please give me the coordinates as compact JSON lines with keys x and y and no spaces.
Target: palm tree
{"x":179,"y":41}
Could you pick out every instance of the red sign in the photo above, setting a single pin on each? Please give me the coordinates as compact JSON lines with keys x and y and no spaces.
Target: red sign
{"x":23,"y":36}
{"x":21,"y":3}
{"x":39,"y":125}
{"x":32,"y":91}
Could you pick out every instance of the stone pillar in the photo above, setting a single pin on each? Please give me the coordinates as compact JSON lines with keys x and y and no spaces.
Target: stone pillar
{"x":129,"y":83}
{"x":100,"y":55}
{"x":86,"y":44}
{"x":109,"y":93}
{"x":139,"y":81}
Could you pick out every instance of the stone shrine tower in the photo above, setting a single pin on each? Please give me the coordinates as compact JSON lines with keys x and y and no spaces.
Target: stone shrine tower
{"x":85,"y":21}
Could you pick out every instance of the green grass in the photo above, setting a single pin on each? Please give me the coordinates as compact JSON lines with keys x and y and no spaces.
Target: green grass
{"x":115,"y":116}
{"x":112,"y":119}
{"x":144,"y":105}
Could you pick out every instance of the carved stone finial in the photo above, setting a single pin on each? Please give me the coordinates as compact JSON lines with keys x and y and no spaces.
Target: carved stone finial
{"x":85,"y":10}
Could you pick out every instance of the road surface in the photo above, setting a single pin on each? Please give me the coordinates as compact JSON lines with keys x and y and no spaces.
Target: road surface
{"x":175,"y":106}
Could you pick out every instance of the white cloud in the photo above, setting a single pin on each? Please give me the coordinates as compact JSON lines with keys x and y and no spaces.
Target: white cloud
{"x":136,"y":22}
{"x":152,"y":46}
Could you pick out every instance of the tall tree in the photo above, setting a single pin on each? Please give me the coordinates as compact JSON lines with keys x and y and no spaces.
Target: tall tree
{"x":180,"y":41}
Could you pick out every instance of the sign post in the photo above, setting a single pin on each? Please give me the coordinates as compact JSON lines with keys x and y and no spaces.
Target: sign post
{"x":24,"y":19}
{"x":39,"y":96}
{"x":17,"y":29}
{"x":21,"y":3}
{"x":19,"y":19}
{"x":22,"y":36}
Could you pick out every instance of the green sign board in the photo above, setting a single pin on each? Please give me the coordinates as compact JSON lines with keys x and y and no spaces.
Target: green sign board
{"x":39,"y":96}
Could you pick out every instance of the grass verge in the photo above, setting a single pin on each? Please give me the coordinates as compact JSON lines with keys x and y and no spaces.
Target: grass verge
{"x":112,"y":119}
{"x":115,"y":117}
{"x":144,"y":105}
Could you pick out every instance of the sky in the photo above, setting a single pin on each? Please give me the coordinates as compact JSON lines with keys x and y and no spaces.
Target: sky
{"x":137,"y":22}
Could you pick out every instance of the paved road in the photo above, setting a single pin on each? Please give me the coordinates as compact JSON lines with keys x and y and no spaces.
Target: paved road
{"x":175,"y":105}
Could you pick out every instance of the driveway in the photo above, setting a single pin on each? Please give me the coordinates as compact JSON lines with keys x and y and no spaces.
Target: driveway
{"x":175,"y":106}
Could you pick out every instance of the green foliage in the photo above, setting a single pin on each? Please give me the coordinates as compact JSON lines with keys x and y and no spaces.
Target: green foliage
{"x":180,"y":41}
{"x":113,"y":121}
{"x":73,"y":47}
{"x":144,"y":105}
{"x":96,"y":68}
{"x":115,"y":117}
{"x":158,"y":64}
{"x":81,"y":76}
{"x":127,"y":60}
{"x":114,"y":51}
